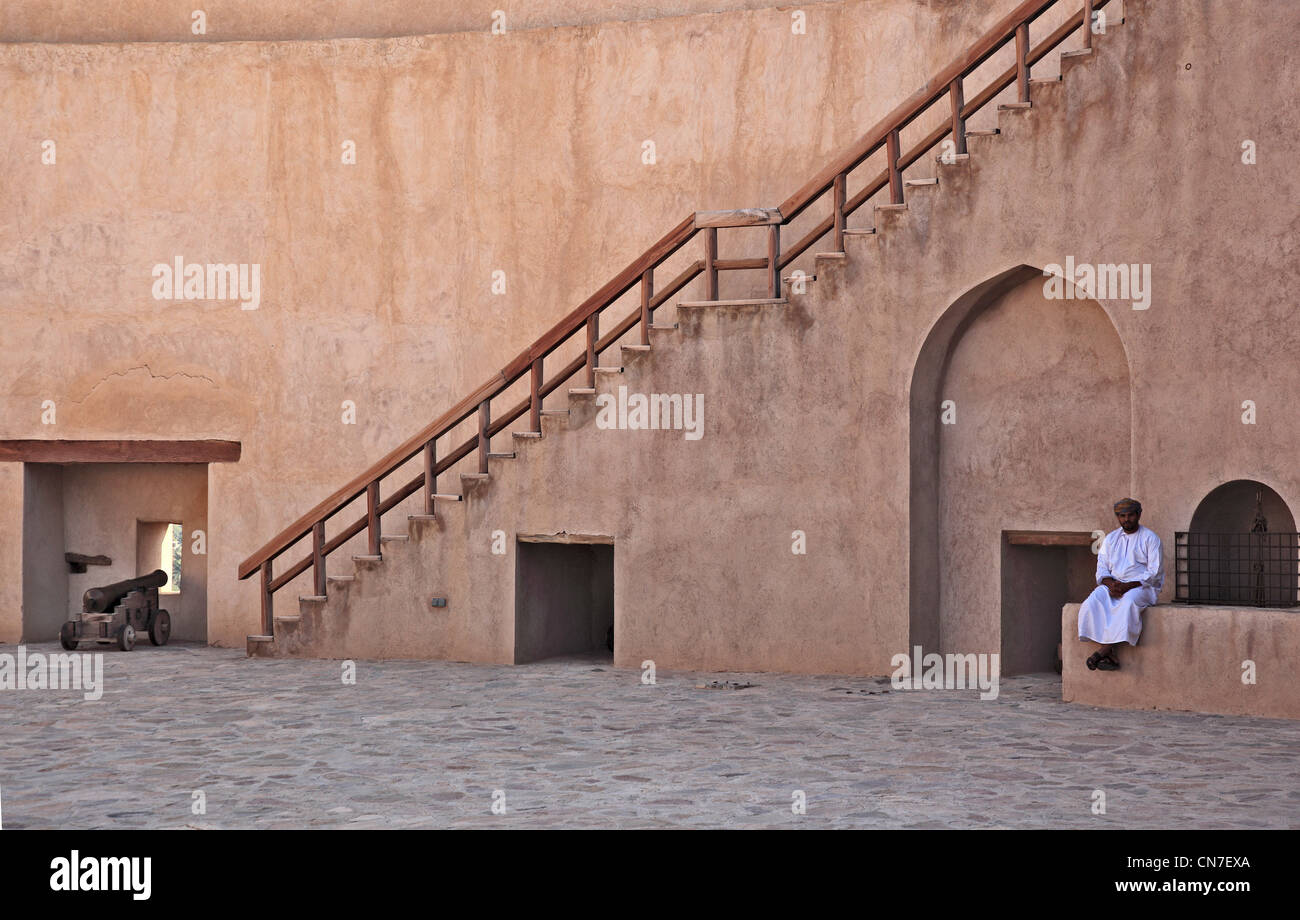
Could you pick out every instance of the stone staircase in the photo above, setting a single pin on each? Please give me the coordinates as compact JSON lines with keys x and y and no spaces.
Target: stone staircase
{"x":374,"y":610}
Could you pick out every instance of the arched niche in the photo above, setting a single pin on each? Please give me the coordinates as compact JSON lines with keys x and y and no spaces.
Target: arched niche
{"x":1240,"y":550}
{"x":1042,"y":441}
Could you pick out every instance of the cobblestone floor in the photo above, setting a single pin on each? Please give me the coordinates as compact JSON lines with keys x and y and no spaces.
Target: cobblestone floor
{"x":580,"y":744}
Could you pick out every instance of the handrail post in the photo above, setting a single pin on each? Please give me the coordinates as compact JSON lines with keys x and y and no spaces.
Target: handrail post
{"x":430,"y":475}
{"x":1087,"y":24}
{"x":318,"y":558}
{"x":535,"y":397}
{"x":268,"y":602}
{"x":372,"y":517}
{"x":838,"y":195}
{"x":710,"y":260}
{"x":957,"y":98}
{"x":1022,"y":62}
{"x":593,"y":333}
{"x":774,"y":260}
{"x":895,"y":177}
{"x":484,"y":422}
{"x":647,"y":294}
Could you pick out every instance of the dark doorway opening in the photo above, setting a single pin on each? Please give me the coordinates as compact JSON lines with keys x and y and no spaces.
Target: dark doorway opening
{"x":1041,"y":572}
{"x":564,"y":600}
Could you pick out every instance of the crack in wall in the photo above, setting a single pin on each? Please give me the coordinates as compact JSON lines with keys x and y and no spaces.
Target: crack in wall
{"x":139,"y":367}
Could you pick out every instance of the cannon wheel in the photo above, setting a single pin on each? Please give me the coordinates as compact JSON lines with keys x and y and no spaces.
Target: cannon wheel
{"x":126,"y":638}
{"x":68,"y":635}
{"x":160,"y":627}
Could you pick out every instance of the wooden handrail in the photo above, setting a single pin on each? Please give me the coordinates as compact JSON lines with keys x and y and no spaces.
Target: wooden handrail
{"x":1011,"y":28}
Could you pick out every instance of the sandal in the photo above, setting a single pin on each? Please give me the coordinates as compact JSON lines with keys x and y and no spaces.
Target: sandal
{"x":1107,"y":663}
{"x":1093,"y":659}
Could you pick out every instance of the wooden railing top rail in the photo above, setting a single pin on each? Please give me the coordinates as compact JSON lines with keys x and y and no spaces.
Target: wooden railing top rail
{"x":872,"y":140}
{"x":915,"y":104}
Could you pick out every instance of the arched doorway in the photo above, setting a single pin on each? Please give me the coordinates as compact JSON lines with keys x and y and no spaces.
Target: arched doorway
{"x":1021,"y":422}
{"x":1241,"y":549}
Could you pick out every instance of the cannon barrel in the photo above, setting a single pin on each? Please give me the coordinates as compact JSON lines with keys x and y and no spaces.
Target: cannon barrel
{"x":101,"y":600}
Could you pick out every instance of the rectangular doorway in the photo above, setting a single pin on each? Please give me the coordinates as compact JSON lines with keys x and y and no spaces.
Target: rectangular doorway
{"x":1042,"y":571}
{"x":564,"y":598}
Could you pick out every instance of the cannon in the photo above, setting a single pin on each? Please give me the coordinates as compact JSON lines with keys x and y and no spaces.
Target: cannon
{"x":118,"y":612}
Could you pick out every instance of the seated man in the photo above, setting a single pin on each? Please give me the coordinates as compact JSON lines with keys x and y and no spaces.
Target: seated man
{"x":1130,"y":571}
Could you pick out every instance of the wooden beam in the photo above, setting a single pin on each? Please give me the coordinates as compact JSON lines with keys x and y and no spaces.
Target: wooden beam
{"x":1049,"y":537}
{"x":957,"y":99}
{"x":372,"y":517}
{"x":1022,"y":62}
{"x":318,"y":558}
{"x":647,"y":295}
{"x":40,"y":450}
{"x":710,"y":263}
{"x":774,"y":260}
{"x":742,"y":217}
{"x":268,"y":602}
{"x":895,"y":171}
{"x":535,"y":397}
{"x":838,"y":205}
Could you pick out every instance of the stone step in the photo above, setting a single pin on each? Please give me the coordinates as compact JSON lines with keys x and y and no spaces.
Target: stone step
{"x":757,"y":302}
{"x":1014,"y":106}
{"x":582,"y":391}
{"x":609,"y":370}
{"x":367,"y":558}
{"x":892,"y":207}
{"x":662,"y":327}
{"x":500,"y":455}
{"x":526,"y":435}
{"x":859,"y":231}
{"x":919,"y":183}
{"x":287,"y":619}
{"x":829,"y":255}
{"x":983,"y":132}
{"x":1055,"y":79}
{"x":477,"y":477}
{"x":951,"y":159}
{"x":1077,"y":53}
{"x":417,"y":518}
{"x":790,"y":279}
{"x":447,"y":497}
{"x":340,"y":579}
{"x":313,"y":599}
{"x":635,"y":347}
{"x":555,"y":412}
{"x":394,"y":538}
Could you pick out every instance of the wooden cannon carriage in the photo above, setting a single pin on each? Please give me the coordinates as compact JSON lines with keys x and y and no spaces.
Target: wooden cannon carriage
{"x":118,"y":613}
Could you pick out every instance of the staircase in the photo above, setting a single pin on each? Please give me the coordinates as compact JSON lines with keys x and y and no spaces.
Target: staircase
{"x":947,"y":101}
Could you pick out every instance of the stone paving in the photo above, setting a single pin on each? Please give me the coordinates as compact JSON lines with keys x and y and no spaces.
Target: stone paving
{"x":577,"y":743}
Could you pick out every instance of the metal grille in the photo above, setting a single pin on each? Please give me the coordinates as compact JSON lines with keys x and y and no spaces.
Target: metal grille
{"x":1245,"y":569}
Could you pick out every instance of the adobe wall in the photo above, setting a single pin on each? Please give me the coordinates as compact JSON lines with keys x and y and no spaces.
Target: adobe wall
{"x":810,"y":423}
{"x":277,"y":20}
{"x":1229,"y":660}
{"x":519,"y":153}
